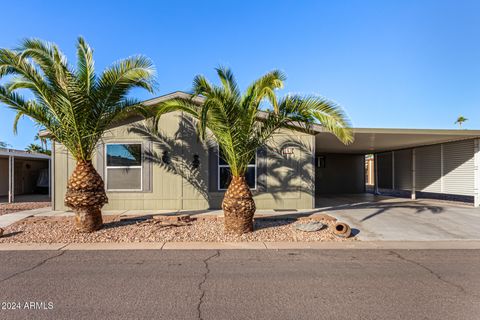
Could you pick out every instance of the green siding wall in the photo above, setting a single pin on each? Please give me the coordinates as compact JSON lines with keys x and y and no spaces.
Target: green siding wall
{"x":290,"y":178}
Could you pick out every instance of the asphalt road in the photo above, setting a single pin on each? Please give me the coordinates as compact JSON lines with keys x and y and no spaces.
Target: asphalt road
{"x":241,"y":284}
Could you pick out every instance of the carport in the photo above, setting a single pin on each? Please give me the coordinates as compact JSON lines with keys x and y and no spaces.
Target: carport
{"x":23,"y":175}
{"x":416,"y":163}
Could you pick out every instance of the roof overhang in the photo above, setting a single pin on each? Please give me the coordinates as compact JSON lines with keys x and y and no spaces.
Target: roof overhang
{"x":369,"y":140}
{"x":22,"y":154}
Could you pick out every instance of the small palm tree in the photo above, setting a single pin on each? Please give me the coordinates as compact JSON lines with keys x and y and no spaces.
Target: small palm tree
{"x":43,"y":141}
{"x":4,"y":144}
{"x":76,"y":106}
{"x":33,"y":147}
{"x":460,"y":121}
{"x":236,"y":122}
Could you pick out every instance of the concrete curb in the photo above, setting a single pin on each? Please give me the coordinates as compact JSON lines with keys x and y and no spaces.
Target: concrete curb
{"x":214,"y":245}
{"x":361,"y":245}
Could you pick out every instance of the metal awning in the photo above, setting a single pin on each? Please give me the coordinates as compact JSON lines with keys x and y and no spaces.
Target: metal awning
{"x":370,"y":140}
{"x":11,"y":155}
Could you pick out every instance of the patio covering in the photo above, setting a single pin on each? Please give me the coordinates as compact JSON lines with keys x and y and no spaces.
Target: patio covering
{"x":370,"y":140}
{"x":8,"y":175}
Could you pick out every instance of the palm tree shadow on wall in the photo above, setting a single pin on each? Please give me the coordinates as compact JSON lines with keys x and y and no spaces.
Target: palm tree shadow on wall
{"x":176,"y":154}
{"x":289,"y":172}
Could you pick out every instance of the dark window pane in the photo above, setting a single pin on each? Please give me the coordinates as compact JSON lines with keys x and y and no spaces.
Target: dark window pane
{"x":220,"y":158}
{"x":253,"y":159}
{"x":225,"y":177}
{"x":124,"y":155}
{"x":250,"y":176}
{"x":124,"y":179}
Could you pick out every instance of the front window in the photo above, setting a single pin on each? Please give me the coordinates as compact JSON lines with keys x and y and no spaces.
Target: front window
{"x":224,"y":175}
{"x":123,"y":166}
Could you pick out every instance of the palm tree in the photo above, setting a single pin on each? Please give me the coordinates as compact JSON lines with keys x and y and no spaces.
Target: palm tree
{"x":3,"y":144}
{"x":460,"y":121}
{"x":239,"y":126}
{"x":43,"y":141}
{"x":36,"y":148}
{"x":76,"y":106}
{"x":33,"y":147}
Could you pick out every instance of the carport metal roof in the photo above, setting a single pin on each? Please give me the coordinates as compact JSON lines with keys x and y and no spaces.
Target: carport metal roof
{"x":370,"y":140}
{"x":5,"y":153}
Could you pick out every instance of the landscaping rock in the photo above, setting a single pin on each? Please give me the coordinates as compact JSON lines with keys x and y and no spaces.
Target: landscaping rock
{"x":62,"y":230}
{"x":182,"y":218}
{"x":311,"y":226}
{"x":318,"y":217}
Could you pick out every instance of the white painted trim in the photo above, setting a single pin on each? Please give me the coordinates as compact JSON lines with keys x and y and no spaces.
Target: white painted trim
{"x":52,"y":176}
{"x":476,"y":172}
{"x":414,"y":176}
{"x":49,"y":178}
{"x":11,"y":184}
{"x":393,"y":170}
{"x":314,"y":168}
{"x":375,"y":163}
{"x":442,"y":180}
{"x":23,"y":154}
{"x":123,"y":167}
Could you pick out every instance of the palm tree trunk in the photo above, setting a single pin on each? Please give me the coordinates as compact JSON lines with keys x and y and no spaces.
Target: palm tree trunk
{"x":86,"y":196}
{"x":238,"y":207}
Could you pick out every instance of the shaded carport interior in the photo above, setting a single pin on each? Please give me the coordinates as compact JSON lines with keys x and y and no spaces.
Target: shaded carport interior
{"x":24,"y":176}
{"x":340,"y":169}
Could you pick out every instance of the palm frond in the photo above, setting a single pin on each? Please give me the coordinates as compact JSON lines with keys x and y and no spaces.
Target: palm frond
{"x":236,"y":121}
{"x":75,"y":106}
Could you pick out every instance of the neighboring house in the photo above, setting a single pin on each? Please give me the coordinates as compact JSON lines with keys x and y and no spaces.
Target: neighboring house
{"x":23,"y":173}
{"x":172,"y":169}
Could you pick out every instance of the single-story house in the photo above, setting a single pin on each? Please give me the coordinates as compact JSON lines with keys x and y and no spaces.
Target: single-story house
{"x":172,"y":169}
{"x":23,"y":173}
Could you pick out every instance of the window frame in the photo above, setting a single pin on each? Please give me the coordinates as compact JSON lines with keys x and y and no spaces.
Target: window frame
{"x":107,"y":167}
{"x":255,"y":165}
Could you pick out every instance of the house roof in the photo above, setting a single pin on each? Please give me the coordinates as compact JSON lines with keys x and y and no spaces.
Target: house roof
{"x":367,"y":140}
{"x":180,"y":94}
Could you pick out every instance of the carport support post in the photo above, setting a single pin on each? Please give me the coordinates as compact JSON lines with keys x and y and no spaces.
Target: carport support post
{"x":476,"y":173}
{"x":414,"y":191}
{"x":375,"y":165}
{"x":393,"y":170}
{"x":11,"y":179}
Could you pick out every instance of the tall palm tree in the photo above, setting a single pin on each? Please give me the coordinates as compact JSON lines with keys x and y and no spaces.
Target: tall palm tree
{"x":76,"y":106}
{"x":43,"y":141}
{"x":239,"y":126}
{"x":460,"y":121}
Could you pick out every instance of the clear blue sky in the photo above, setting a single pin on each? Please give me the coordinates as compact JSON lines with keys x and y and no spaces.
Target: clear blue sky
{"x":404,"y":64}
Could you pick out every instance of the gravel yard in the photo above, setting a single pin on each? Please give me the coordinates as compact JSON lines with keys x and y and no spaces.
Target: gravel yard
{"x":21,"y":206}
{"x":121,"y":229}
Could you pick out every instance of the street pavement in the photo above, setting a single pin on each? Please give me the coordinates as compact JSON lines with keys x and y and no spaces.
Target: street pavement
{"x":240,"y":284}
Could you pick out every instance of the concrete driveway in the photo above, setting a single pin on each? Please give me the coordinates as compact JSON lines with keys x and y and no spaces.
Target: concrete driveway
{"x":388,"y":218}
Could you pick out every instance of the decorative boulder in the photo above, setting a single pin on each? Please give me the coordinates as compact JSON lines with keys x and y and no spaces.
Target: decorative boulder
{"x":311,"y":226}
